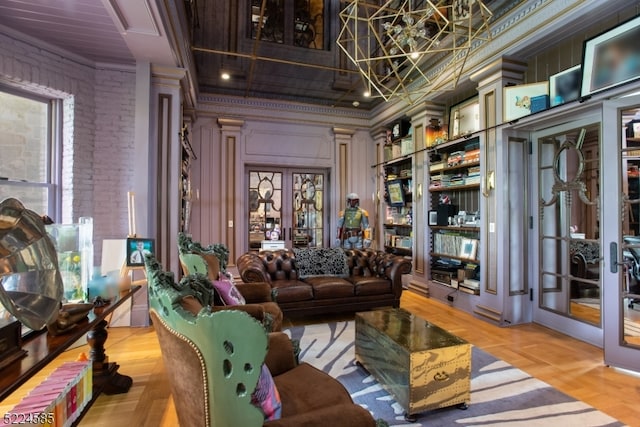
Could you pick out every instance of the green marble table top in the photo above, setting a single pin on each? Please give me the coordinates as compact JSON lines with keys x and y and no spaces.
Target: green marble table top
{"x":408,"y":330}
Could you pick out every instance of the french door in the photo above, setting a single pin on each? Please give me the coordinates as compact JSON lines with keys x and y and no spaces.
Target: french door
{"x":621,"y":233}
{"x":287,"y":206}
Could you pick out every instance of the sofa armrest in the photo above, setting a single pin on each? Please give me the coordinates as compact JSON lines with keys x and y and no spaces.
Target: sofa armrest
{"x":252,"y":269}
{"x":399,"y":266}
{"x":281,"y":355}
{"x":255,"y":292}
{"x":342,"y":415}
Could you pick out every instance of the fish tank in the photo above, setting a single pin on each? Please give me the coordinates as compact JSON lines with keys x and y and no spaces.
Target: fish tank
{"x":74,"y":247}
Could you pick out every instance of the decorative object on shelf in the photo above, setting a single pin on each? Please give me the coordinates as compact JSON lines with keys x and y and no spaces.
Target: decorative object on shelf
{"x":611,"y":58}
{"x":517,"y":99}
{"x":396,"y":193}
{"x":74,"y":246}
{"x":435,"y":134}
{"x":31,"y":283}
{"x":468,"y":248}
{"x":391,"y":43}
{"x":68,"y":317}
{"x":464,"y":118}
{"x":564,"y":86}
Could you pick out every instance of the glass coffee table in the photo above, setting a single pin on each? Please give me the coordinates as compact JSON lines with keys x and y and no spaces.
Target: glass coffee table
{"x":423,"y":366}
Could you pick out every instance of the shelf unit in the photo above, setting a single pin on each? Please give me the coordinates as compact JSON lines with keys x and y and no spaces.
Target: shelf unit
{"x":398,"y":191}
{"x":454,"y":189}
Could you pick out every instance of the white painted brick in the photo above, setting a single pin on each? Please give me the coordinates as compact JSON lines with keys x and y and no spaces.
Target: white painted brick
{"x":98,"y":120}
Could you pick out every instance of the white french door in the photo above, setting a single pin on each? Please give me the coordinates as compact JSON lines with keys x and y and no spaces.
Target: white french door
{"x":621,"y":232}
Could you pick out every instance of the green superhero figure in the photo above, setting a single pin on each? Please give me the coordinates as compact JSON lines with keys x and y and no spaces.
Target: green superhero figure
{"x":353,"y":225}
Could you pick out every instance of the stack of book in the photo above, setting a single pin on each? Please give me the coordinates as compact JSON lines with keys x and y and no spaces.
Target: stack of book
{"x":473,"y":175}
{"x":57,"y":401}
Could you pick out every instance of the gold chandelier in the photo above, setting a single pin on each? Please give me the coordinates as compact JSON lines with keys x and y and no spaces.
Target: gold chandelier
{"x":410,"y":48}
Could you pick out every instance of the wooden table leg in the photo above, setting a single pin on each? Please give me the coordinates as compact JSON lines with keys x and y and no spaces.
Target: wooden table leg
{"x":105,"y":374}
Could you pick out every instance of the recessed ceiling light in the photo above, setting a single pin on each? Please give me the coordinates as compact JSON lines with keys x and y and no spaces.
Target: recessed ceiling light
{"x":225,"y":76}
{"x":366,"y":94}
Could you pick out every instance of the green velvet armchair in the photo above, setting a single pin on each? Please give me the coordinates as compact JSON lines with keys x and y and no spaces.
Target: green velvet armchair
{"x":213,"y":361}
{"x":210,"y":261}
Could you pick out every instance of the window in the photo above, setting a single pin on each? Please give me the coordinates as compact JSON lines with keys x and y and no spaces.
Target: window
{"x":292,"y":22}
{"x":28,"y":146}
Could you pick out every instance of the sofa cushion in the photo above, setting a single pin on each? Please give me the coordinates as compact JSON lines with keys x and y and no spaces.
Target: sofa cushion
{"x":314,"y":262}
{"x":326,"y":391}
{"x":368,"y":285}
{"x":292,"y":291}
{"x":266,"y":396}
{"x":330,"y":287}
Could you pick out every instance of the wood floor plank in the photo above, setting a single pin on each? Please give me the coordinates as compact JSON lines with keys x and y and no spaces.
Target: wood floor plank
{"x":572,"y":366}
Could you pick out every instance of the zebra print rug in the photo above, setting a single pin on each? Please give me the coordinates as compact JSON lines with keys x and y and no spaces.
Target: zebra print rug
{"x":501,"y":395}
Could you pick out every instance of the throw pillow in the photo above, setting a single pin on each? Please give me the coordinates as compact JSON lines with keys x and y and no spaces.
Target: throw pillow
{"x":318,"y":262}
{"x":228,"y":291}
{"x":266,"y":396}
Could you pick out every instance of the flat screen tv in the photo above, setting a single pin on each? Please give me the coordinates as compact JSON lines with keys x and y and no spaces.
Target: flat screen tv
{"x":396,"y":193}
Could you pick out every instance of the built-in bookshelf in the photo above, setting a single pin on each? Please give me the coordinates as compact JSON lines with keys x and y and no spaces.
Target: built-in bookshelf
{"x":454,"y":221}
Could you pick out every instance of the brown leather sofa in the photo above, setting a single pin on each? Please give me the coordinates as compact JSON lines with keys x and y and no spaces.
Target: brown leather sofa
{"x":372,"y":279}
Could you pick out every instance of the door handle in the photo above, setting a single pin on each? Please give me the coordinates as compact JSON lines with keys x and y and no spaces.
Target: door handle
{"x":613,"y":258}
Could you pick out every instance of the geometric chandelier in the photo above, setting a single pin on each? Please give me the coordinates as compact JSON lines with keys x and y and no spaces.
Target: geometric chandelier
{"x":397,"y":45}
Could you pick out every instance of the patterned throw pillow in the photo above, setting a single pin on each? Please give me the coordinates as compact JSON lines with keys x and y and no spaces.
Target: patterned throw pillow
{"x":266,"y":396}
{"x":228,"y":291}
{"x":320,"y":262}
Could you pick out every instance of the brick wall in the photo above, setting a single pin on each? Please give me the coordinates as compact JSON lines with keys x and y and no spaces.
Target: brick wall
{"x":98,"y":129}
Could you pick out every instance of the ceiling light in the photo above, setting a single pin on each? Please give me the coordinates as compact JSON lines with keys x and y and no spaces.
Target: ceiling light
{"x":356,"y":104}
{"x":390,"y":44}
{"x":225,"y":75}
{"x":366,"y":94}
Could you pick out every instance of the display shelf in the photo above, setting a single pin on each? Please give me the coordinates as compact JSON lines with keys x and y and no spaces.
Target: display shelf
{"x":455,"y":249}
{"x":397,"y":170}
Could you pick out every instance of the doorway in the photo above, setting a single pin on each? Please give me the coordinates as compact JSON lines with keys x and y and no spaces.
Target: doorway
{"x":287,"y":207}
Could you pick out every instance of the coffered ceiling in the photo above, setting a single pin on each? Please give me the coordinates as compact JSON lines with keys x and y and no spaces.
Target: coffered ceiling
{"x":122,"y":32}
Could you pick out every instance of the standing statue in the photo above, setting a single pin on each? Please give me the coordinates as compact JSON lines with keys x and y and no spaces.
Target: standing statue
{"x":353,"y":225}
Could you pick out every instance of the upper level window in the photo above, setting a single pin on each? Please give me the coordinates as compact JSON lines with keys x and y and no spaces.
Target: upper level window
{"x":27,"y":164}
{"x":292,"y":22}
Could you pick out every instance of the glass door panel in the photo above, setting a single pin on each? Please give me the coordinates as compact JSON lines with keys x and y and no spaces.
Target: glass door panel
{"x":569,"y":240}
{"x":265,"y":207}
{"x":308,"y":209}
{"x":622,"y":232}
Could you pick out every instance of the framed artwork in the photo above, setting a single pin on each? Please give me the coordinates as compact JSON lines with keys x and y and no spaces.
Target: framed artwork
{"x":464,"y":118}
{"x":396,"y":194}
{"x":468,"y":248}
{"x":433,"y":217}
{"x":517,"y":99}
{"x":137,"y":249}
{"x":565,"y":86}
{"x":611,"y":58}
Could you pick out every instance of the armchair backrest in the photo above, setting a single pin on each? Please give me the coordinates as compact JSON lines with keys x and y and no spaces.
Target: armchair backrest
{"x":192,"y":263}
{"x":186,"y":245}
{"x":213,"y":360}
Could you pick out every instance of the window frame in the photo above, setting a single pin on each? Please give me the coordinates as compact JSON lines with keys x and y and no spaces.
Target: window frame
{"x":53,"y":163}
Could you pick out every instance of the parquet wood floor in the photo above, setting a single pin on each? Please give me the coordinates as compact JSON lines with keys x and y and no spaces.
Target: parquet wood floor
{"x":572,"y":366}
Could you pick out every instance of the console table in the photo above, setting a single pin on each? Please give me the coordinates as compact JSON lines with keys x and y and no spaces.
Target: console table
{"x":42,"y":348}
